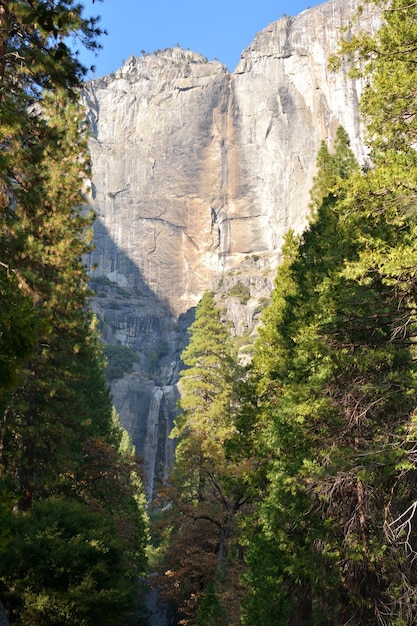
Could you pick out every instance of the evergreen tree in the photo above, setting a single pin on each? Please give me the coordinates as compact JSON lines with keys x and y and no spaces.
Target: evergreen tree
{"x":62,"y":478}
{"x":387,"y":197}
{"x":207,"y":390}
{"x":206,"y":492}
{"x":66,"y":565}
{"x":341,"y":382}
{"x":34,"y":62}
{"x":332,"y":167}
{"x":385,"y":59}
{"x":49,"y":240}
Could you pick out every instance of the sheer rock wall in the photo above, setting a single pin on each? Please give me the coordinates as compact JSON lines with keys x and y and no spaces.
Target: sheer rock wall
{"x":197,"y":175}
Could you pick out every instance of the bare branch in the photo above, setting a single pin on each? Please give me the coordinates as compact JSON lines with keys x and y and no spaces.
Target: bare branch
{"x":403,"y":525}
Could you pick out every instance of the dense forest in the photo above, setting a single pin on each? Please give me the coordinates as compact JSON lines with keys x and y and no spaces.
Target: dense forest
{"x":73,"y":529}
{"x":293,"y":496}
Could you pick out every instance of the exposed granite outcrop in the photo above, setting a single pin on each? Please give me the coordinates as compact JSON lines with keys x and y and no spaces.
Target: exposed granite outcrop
{"x":197,"y":175}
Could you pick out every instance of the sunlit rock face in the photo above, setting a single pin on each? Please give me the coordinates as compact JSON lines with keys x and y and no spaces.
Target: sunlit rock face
{"x":197,"y":175}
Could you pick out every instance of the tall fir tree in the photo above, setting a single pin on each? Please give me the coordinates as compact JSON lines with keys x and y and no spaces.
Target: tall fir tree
{"x":342,"y":380}
{"x":206,"y":492}
{"x":35,"y":61}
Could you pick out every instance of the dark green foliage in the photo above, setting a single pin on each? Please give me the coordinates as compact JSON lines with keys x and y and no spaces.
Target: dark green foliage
{"x":336,"y":388}
{"x":210,"y":611}
{"x":17,"y":334}
{"x":65,"y":565}
{"x":120,"y":361}
{"x":72,"y":526}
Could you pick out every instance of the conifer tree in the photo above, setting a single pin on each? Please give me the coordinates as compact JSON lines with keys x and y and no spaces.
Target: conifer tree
{"x":206,"y":491}
{"x":34,"y":62}
{"x":342,"y":378}
{"x":334,"y":540}
{"x":207,"y":389}
{"x":361,"y":361}
{"x":62,"y":477}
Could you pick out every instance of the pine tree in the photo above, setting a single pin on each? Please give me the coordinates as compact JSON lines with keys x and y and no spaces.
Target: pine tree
{"x":34,"y":61}
{"x":207,"y":389}
{"x":49,"y":240}
{"x":341,"y":382}
{"x":387,"y":198}
{"x":206,"y":492}
{"x":62,"y":477}
{"x":332,"y":167}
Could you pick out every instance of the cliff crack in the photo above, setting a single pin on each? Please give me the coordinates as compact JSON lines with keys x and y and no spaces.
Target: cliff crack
{"x":187,"y":88}
{"x":163,"y":221}
{"x":244,"y":217}
{"x":113,"y":194}
{"x":176,"y":227}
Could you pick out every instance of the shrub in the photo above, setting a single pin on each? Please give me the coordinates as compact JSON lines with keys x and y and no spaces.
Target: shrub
{"x":241,"y":291}
{"x":120,"y":360}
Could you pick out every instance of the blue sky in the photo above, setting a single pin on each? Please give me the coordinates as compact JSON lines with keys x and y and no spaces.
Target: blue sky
{"x":219,"y":29}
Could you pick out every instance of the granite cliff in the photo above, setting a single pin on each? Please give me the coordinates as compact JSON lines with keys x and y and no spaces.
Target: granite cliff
{"x":197,"y":175}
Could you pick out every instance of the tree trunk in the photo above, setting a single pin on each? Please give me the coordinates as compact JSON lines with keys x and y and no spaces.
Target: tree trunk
{"x":305,"y":606}
{"x":224,"y":535}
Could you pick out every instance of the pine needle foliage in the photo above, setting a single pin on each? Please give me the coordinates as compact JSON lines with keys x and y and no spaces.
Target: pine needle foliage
{"x":333,"y":538}
{"x":73,"y":528}
{"x":206,"y":488}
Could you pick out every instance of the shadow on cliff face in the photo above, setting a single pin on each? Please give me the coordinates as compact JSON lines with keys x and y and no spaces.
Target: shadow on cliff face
{"x":144,"y":341}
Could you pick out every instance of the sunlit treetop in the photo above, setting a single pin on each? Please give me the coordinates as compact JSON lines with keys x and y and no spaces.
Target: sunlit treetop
{"x":38,"y":44}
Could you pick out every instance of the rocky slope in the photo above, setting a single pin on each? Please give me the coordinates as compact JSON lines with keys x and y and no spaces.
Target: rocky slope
{"x":197,"y":175}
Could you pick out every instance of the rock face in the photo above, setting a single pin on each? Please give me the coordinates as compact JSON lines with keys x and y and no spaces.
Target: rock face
{"x":197,"y":175}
